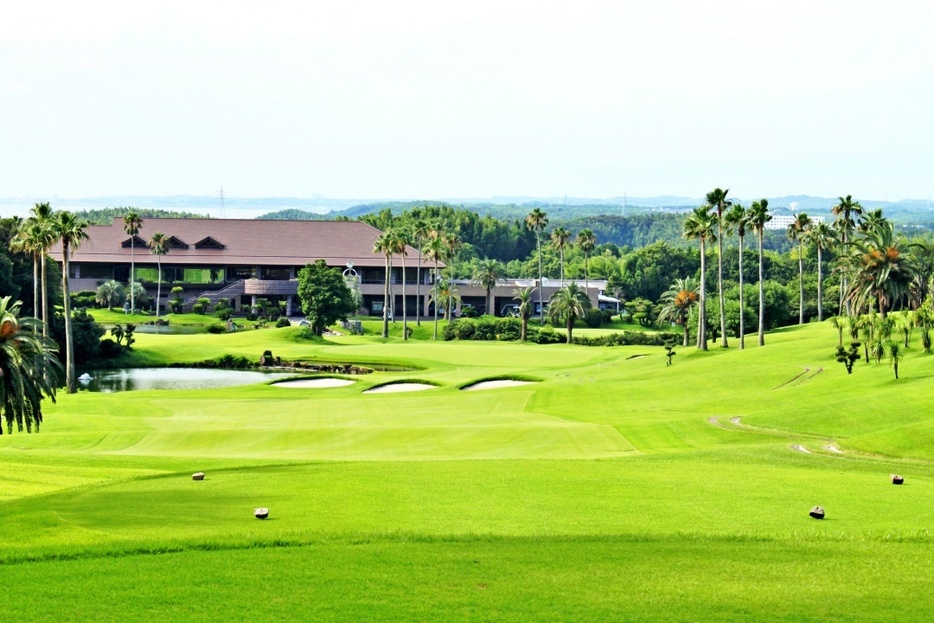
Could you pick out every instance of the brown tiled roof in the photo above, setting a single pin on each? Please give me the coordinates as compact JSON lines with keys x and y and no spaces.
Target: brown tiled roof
{"x":246,"y":242}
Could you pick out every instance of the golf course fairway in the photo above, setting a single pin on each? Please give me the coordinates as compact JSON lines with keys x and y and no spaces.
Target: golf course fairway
{"x":607,"y":486}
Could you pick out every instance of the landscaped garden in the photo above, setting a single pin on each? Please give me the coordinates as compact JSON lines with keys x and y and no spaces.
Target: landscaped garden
{"x":610,"y":486}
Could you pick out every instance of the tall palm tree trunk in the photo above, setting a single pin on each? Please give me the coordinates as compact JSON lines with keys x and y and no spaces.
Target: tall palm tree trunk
{"x":132,"y":273}
{"x":820,"y":286}
{"x":386,"y":299}
{"x":800,"y":283}
{"x":761,"y":296}
{"x":70,"y":383}
{"x":723,"y":341}
{"x":742,"y":301}
{"x":541,"y":284}
{"x":35,"y":285}
{"x":435,"y":336}
{"x":702,"y":304}
{"x":418,"y":286}
{"x":158,"y":284}
{"x":405,"y":319}
{"x":45,"y":299}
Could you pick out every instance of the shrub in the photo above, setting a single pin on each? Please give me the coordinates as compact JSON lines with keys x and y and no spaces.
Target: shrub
{"x":224,"y":314}
{"x":469,"y":311}
{"x":83,"y":299}
{"x":629,"y":338}
{"x":593,"y":318}
{"x":198,"y":308}
{"x":109,"y":349}
{"x":283,"y":322}
{"x":217,"y":328}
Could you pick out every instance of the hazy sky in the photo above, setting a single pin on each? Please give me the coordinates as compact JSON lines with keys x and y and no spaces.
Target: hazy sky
{"x":423,"y":99}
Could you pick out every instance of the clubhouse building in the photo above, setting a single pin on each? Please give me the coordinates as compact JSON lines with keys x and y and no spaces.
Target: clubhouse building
{"x":245,"y":260}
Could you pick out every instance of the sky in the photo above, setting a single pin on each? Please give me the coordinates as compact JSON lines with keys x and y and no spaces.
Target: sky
{"x":427,"y":99}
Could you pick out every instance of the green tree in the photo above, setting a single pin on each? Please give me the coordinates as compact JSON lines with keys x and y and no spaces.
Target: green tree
{"x":560,"y":240}
{"x":796,"y":233}
{"x":399,"y":244}
{"x":445,"y":293}
{"x":717,"y":201}
{"x":845,"y":212}
{"x":435,"y":250}
{"x":385,"y":244}
{"x":739,"y":218}
{"x":895,"y":353}
{"x":567,"y":305}
{"x":420,"y":231}
{"x":699,"y":225}
{"x":758,"y":217}
{"x":110,"y":293}
{"x":131,"y":225}
{"x":71,"y":232}
{"x":324,"y":296}
{"x":159,"y":246}
{"x":28,"y":368}
{"x":884,"y":272}
{"x":821,"y":236}
{"x":487,"y":274}
{"x":44,"y":218}
{"x":537,"y":221}
{"x":586,"y":242}
{"x":678,"y":302}
{"x":526,"y":299}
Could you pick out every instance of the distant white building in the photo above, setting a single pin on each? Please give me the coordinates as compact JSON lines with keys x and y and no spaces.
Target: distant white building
{"x":782,"y":221}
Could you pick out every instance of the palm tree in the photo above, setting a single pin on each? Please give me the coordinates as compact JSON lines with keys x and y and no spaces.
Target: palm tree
{"x":420,"y":231}
{"x":717,"y":201}
{"x":131,"y":225}
{"x":537,"y":221}
{"x":739,"y":218}
{"x":28,"y":368}
{"x":678,"y":302}
{"x":435,"y":250}
{"x":870,"y":221}
{"x":796,"y":233}
{"x":821,"y":236}
{"x":560,"y":240}
{"x":846,"y":212}
{"x":486,"y":275}
{"x":385,"y":244}
{"x":399,"y":247}
{"x":895,"y":352}
{"x":453,"y":243}
{"x":758,"y":217}
{"x":586,"y":242}
{"x":884,"y":271}
{"x":71,"y":232}
{"x":27,"y":240}
{"x":43,"y":217}
{"x":567,"y":305}
{"x":699,"y":225}
{"x":445,"y":292}
{"x":159,"y":246}
{"x":110,"y":293}
{"x":526,"y":299}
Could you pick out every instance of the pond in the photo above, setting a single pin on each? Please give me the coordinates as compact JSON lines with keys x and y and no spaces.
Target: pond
{"x":135,"y":379}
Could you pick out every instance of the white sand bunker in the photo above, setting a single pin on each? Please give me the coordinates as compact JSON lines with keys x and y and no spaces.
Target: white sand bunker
{"x":393,"y":388}
{"x":495,"y":384}
{"x":330,"y":382}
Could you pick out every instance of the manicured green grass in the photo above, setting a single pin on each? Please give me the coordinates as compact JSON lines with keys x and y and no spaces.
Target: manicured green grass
{"x":613,"y":488}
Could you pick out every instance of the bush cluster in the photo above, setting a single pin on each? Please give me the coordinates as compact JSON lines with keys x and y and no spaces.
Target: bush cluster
{"x":628,"y":338}
{"x":489,"y":328}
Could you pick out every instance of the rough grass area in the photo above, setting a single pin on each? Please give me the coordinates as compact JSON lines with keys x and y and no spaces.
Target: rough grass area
{"x":613,"y":488}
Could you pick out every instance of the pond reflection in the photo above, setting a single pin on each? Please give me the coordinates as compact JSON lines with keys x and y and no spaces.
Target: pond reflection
{"x":136,"y":379}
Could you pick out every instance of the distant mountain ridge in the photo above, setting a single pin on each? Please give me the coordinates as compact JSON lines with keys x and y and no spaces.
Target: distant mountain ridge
{"x":502,"y":206}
